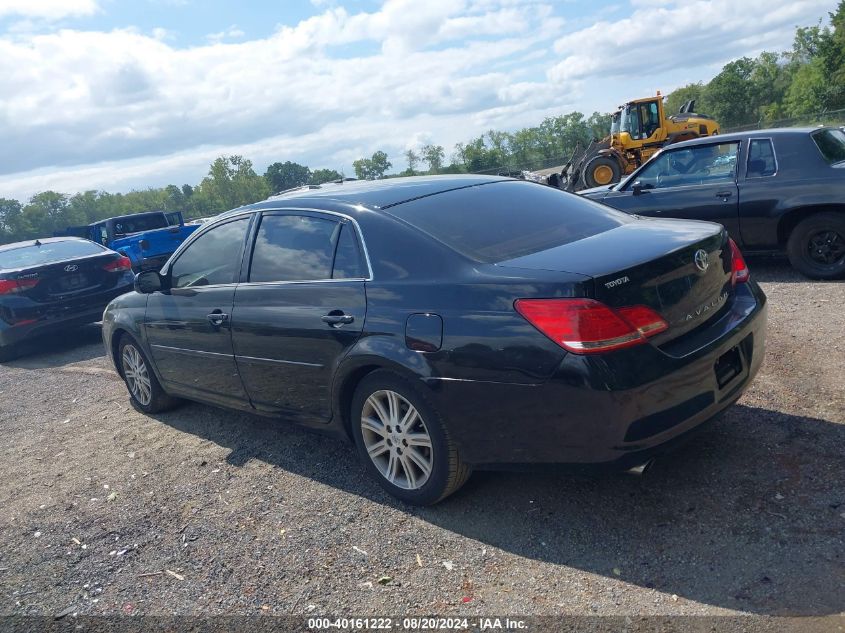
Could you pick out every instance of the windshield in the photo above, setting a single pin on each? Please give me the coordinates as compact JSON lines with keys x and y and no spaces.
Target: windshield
{"x":831,"y":144}
{"x":136,"y":224}
{"x":47,"y":253}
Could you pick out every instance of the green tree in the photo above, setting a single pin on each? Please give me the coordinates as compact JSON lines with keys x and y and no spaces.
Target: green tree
{"x":372,"y":168}
{"x":11,"y":221}
{"x":319,"y":176}
{"x":231,"y":183}
{"x":677,"y":98}
{"x":413,"y":161}
{"x":831,"y":51}
{"x":433,"y":156}
{"x":50,"y":211}
{"x":287,"y":175}
{"x":731,"y":95}
{"x":599,"y":125}
{"x":806,"y":94}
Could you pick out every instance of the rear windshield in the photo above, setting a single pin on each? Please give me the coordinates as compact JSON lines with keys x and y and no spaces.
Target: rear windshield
{"x":136,"y":224}
{"x":500,"y":221}
{"x":47,"y":253}
{"x":831,"y":144}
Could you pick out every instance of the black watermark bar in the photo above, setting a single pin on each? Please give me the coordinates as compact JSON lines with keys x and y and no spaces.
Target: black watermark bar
{"x":535,"y":624}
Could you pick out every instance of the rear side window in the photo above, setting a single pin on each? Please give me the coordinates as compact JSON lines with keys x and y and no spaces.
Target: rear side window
{"x":348,"y":261}
{"x":831,"y":144}
{"x":47,"y":253}
{"x":293,"y":248}
{"x":502,"y":220}
{"x":761,"y":158}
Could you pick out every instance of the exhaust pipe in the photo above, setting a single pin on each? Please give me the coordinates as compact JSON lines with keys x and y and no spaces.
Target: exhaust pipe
{"x":641,"y":469}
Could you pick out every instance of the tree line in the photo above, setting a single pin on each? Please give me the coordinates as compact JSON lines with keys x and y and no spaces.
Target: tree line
{"x":805,"y":80}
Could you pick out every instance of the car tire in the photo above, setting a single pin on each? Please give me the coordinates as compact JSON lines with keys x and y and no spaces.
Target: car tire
{"x":145,"y":391}
{"x":816,"y":246}
{"x":416,"y":460}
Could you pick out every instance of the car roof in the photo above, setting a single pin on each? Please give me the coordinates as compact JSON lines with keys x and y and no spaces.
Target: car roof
{"x":739,"y":136}
{"x":379,"y":194}
{"x":42,"y":240}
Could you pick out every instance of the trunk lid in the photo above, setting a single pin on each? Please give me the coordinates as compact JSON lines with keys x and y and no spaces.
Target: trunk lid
{"x":69,"y":279}
{"x":652,"y":263}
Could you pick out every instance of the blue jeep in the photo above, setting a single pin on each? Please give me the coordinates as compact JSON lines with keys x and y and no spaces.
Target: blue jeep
{"x":147,"y":239}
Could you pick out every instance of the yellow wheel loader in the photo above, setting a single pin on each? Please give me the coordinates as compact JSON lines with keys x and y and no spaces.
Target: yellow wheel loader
{"x":638,"y":129}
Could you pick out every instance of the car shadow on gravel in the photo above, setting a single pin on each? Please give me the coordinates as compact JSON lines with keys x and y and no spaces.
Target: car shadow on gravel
{"x":60,"y":348}
{"x":749,"y":516}
{"x":776,"y":269}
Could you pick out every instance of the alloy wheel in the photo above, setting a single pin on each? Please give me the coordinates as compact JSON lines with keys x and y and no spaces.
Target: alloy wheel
{"x":826,"y":247}
{"x":397,"y":440}
{"x":136,"y":374}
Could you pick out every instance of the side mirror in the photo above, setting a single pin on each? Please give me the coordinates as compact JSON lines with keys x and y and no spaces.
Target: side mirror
{"x":147,"y":282}
{"x":637,"y":188}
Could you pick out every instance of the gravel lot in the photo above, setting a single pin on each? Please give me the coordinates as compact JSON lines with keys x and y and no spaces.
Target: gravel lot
{"x":200,"y":510}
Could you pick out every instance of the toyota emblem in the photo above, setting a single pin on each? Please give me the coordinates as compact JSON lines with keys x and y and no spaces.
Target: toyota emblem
{"x":71,"y":267}
{"x":701,"y":260}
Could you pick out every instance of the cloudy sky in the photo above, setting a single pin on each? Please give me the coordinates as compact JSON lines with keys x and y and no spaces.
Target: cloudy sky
{"x":123,"y":94}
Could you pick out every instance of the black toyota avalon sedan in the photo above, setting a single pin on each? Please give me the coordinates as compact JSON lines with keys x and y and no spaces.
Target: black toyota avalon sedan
{"x":53,"y":284}
{"x":448,"y":323}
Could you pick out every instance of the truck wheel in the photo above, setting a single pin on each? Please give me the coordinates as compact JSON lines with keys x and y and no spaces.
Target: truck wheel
{"x":816,"y":246}
{"x":602,"y":170}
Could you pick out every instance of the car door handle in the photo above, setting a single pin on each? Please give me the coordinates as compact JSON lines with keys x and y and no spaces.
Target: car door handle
{"x":336,"y":319}
{"x":724,"y":194}
{"x":218,"y":318}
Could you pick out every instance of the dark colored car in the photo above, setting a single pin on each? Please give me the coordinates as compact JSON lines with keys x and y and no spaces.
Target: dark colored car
{"x":774,"y":190}
{"x":54,"y":284}
{"x":447,"y":323}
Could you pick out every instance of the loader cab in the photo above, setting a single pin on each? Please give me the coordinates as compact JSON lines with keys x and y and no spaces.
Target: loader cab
{"x":641,"y":120}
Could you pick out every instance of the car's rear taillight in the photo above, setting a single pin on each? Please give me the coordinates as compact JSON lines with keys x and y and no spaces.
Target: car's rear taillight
{"x":122,"y":263}
{"x":587,"y":326}
{"x":739,"y":269}
{"x":9,"y":286}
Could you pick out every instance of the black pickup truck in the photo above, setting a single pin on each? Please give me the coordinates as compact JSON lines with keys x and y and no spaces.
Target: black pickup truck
{"x":774,"y":190}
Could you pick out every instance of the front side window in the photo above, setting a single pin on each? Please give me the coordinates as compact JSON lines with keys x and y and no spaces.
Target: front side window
{"x":831,"y":144}
{"x":213,"y":258}
{"x":761,"y":158}
{"x":697,"y":165}
{"x":294,"y":248}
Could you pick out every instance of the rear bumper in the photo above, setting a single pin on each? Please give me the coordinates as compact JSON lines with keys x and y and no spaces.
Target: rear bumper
{"x":35,"y":319}
{"x":614,"y":410}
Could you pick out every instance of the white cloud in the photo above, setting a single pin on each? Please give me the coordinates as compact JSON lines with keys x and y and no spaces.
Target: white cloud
{"x":120,"y":109}
{"x":48,"y":9}
{"x":690,"y":33}
{"x":232,"y":33}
